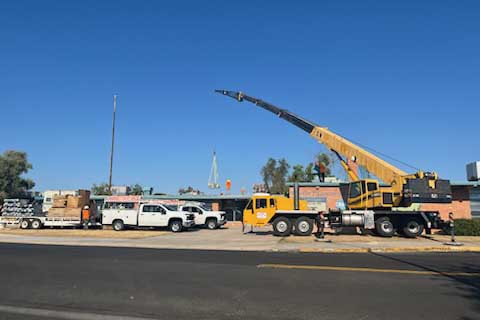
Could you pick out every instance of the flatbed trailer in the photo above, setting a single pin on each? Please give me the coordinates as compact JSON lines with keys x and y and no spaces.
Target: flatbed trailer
{"x":39,"y":222}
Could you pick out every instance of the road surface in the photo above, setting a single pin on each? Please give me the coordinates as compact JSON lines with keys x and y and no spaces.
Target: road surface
{"x":48,"y":282}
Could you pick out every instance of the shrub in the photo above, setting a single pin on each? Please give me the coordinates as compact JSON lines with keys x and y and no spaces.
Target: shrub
{"x":464,"y":227}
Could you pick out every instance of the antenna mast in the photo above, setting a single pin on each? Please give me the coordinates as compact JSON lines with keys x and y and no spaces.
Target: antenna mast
{"x":213,"y":179}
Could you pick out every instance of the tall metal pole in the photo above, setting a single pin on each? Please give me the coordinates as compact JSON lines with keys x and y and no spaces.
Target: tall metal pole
{"x":113,"y":142}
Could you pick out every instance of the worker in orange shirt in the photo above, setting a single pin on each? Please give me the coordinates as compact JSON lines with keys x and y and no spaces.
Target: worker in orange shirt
{"x":85,"y":216}
{"x":321,"y":169}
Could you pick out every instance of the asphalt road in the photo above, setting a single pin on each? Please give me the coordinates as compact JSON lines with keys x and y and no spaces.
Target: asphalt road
{"x":48,"y":282}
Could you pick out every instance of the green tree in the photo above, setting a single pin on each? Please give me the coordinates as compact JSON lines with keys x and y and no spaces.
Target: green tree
{"x":298,"y":174}
{"x":274,"y":175}
{"x":136,"y":190}
{"x":279,"y":185}
{"x":189,"y":190}
{"x":101,"y":190}
{"x":13,"y":164}
{"x":309,"y":174}
{"x":268,"y":172}
{"x":325,"y":159}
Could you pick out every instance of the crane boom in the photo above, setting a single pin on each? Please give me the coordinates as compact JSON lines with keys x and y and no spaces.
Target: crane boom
{"x":383,"y":170}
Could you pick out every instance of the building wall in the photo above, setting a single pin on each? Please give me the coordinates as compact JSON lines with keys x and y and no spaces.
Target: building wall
{"x":331,"y":194}
{"x":216,"y":205}
{"x":460,"y":205}
{"x":475,"y":202}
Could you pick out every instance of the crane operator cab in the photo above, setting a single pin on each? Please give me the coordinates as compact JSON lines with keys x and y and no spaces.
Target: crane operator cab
{"x":418,"y":188}
{"x":367,"y":194}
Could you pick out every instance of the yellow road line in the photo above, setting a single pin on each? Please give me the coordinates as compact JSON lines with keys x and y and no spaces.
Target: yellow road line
{"x":355,"y":269}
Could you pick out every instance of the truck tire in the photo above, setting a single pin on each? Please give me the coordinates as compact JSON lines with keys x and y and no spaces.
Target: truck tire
{"x":384,"y":227}
{"x":175,"y":225}
{"x":303,"y":226}
{"x":412,"y":229}
{"x":25,"y":224}
{"x":282,"y":227}
{"x":212,"y":223}
{"x":36,"y":224}
{"x":118,"y":225}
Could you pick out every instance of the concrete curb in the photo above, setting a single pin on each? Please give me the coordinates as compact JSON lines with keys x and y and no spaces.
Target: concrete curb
{"x":391,"y":250}
{"x":240,"y":248}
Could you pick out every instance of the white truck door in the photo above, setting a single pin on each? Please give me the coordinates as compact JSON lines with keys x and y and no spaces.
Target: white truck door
{"x":149,"y":215}
{"x":199,"y":217}
{"x":163,"y":216}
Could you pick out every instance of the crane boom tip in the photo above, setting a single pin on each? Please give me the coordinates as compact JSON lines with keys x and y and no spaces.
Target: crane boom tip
{"x":233,"y":94}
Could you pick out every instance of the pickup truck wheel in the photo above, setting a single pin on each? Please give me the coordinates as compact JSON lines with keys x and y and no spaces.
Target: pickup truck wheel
{"x":36,"y":224}
{"x":282,"y":227}
{"x":303,"y":226}
{"x":212,"y":224}
{"x":118,"y":225}
{"x":384,"y":227}
{"x":412,"y":229}
{"x":176,"y":225}
{"x":25,"y":224}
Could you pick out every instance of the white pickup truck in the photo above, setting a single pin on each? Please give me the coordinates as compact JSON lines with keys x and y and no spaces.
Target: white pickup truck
{"x":204,"y":216}
{"x":122,"y":215}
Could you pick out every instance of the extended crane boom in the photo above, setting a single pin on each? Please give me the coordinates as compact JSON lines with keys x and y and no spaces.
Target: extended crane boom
{"x":373,"y":164}
{"x":428,"y":187}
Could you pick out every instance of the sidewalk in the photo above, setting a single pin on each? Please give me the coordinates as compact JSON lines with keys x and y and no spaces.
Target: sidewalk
{"x":232,"y":238}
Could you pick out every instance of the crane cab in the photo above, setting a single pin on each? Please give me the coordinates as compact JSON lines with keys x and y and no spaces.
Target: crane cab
{"x":263,"y":207}
{"x":368,"y":194}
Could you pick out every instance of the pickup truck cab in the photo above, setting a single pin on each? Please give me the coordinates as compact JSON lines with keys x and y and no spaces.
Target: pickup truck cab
{"x":204,"y":216}
{"x":123,"y":215}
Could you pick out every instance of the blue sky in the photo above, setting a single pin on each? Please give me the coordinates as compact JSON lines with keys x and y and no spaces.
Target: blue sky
{"x":402,"y":78}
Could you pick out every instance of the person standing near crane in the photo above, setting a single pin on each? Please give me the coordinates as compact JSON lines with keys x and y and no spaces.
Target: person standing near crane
{"x":320,"y":168}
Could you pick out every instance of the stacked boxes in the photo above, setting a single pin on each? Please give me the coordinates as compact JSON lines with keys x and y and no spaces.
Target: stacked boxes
{"x":69,"y":206}
{"x":59,"y":201}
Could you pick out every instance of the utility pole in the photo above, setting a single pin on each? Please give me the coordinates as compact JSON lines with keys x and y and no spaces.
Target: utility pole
{"x":113,"y":143}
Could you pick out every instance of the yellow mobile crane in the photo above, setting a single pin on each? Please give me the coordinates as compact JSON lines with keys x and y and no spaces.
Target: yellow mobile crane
{"x":369,"y":203}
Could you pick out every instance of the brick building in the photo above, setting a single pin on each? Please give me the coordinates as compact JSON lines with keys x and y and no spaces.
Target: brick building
{"x":465,"y":198}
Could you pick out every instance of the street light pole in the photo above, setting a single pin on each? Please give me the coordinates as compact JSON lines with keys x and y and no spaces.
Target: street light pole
{"x":113,"y":143}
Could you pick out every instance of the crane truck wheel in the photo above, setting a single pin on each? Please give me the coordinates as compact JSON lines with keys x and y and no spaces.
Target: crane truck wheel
{"x":384,"y":227}
{"x":282,"y":227}
{"x":118,"y":225}
{"x":303,"y":226}
{"x":412,"y":229}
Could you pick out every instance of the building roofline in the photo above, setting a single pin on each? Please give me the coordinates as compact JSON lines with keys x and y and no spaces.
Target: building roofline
{"x":316,"y":184}
{"x":186,"y":197}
